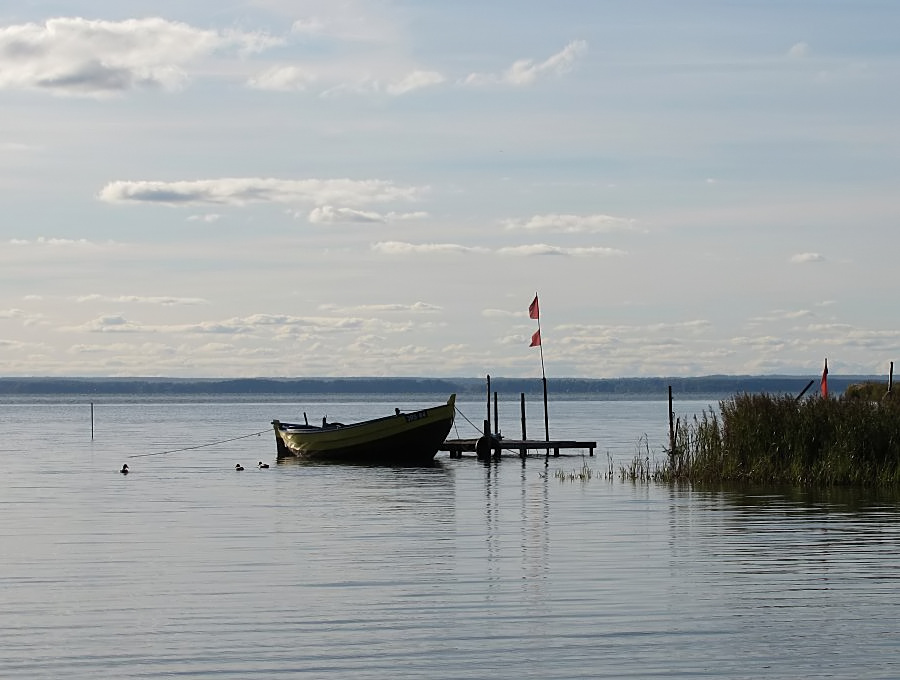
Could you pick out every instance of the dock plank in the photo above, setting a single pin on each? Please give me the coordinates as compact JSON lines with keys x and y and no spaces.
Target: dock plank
{"x":456,"y":447}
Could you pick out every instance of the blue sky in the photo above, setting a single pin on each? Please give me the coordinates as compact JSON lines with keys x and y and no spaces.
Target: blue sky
{"x":345,"y":188}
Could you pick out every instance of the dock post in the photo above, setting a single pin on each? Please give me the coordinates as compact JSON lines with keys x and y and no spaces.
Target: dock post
{"x":487,"y":422}
{"x":671,"y":425}
{"x":483,"y":445}
{"x":496,"y":416}
{"x":523,"y":451}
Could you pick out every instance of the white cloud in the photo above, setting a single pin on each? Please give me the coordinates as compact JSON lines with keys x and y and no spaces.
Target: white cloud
{"x":309,"y":26}
{"x":301,"y":78}
{"x":544,"y":249}
{"x":82,"y":57}
{"x":327,"y":214}
{"x":570,"y":223}
{"x":502,"y":314}
{"x":526,"y":71}
{"x":803,"y":258}
{"x":415,"y":81}
{"x":240,"y":191}
{"x":415,"y":308}
{"x":165,"y":301}
{"x":290,"y":78}
{"x":781,"y":315}
{"x":208,"y":218}
{"x":50,"y":242}
{"x":401,"y":248}
{"x":113,"y":323}
{"x":798,"y":50}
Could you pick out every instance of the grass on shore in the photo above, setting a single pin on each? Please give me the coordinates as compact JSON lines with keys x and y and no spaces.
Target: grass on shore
{"x":759,"y":438}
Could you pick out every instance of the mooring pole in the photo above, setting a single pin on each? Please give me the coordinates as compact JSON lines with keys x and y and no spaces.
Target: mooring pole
{"x":496,"y":415}
{"x":671,"y":425}
{"x":522,"y":411}
{"x":523,"y":450}
{"x":487,"y":427}
{"x":92,"y":421}
{"x":546,"y":417}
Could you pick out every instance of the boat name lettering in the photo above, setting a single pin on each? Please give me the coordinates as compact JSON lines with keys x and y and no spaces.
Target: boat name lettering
{"x":418,"y":415}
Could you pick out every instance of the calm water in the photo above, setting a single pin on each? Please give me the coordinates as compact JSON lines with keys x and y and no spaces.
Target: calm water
{"x":188,"y":568}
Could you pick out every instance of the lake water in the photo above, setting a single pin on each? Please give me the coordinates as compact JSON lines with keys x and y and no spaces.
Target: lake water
{"x":186,"y":568}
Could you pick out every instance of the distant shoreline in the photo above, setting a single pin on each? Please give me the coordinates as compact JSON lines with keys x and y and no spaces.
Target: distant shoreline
{"x":716,"y":386}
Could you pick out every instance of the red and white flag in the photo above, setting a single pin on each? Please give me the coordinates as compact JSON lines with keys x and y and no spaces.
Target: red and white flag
{"x":534,"y":311}
{"x":536,"y":339}
{"x":825,"y":380}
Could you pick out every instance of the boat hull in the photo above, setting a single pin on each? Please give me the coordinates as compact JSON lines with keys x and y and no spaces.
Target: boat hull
{"x":403,"y":438}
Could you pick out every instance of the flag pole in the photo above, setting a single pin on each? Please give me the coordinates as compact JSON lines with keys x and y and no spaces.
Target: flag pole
{"x":534,"y":312}
{"x":544,"y":380}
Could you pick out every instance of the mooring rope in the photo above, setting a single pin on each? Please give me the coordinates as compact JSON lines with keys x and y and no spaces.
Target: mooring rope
{"x":481,"y":432}
{"x":477,"y":429}
{"x":199,"y":446}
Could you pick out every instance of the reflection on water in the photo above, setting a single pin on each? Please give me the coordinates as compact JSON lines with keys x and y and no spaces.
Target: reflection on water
{"x":460,"y":570}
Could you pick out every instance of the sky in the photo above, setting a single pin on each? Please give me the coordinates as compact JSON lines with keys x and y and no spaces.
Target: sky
{"x":266,"y":188}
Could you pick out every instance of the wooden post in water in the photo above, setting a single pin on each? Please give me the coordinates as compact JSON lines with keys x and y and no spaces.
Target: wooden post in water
{"x":671,"y":425}
{"x":487,"y":422}
{"x":496,"y":426}
{"x":523,"y":451}
{"x":546,"y":416}
{"x":496,"y":416}
{"x":92,"y":421}
{"x":891,"y":378}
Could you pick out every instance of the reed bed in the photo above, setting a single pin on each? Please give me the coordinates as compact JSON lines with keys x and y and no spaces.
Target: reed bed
{"x":760,"y":438}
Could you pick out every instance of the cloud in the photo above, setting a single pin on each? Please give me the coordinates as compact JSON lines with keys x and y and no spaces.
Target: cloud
{"x":415,"y":81}
{"x":781,"y":315}
{"x":501,"y":313}
{"x":52,"y":242}
{"x":415,"y":308}
{"x":526,"y":71}
{"x":209,"y":218}
{"x":537,"y":249}
{"x":93,"y":58}
{"x":240,"y":191}
{"x":803,"y":258}
{"x":283,"y":79}
{"x":278,"y":325}
{"x":327,"y":214}
{"x":108,"y":324}
{"x":401,"y":248}
{"x":165,"y":301}
{"x":62,"y":247}
{"x":798,"y":50}
{"x":570,"y":223}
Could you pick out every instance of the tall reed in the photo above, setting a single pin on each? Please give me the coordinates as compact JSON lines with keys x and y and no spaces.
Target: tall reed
{"x":774,"y":439}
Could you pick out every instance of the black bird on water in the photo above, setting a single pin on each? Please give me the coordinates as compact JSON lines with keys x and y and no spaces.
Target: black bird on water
{"x":263,"y":465}
{"x":238,"y":467}
{"x":124,"y":469}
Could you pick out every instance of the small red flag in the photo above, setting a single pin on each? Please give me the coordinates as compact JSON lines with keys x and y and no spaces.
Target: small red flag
{"x":535,"y":339}
{"x":534,"y":311}
{"x":825,"y":380}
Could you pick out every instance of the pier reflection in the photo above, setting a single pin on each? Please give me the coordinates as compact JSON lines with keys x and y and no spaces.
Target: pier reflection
{"x":517,"y":535}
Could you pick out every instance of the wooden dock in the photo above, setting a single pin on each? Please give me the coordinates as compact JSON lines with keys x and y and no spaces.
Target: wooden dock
{"x":491,"y":445}
{"x":456,"y":447}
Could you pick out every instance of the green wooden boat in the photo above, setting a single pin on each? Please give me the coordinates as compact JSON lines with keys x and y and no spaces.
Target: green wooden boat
{"x":411,"y":437}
